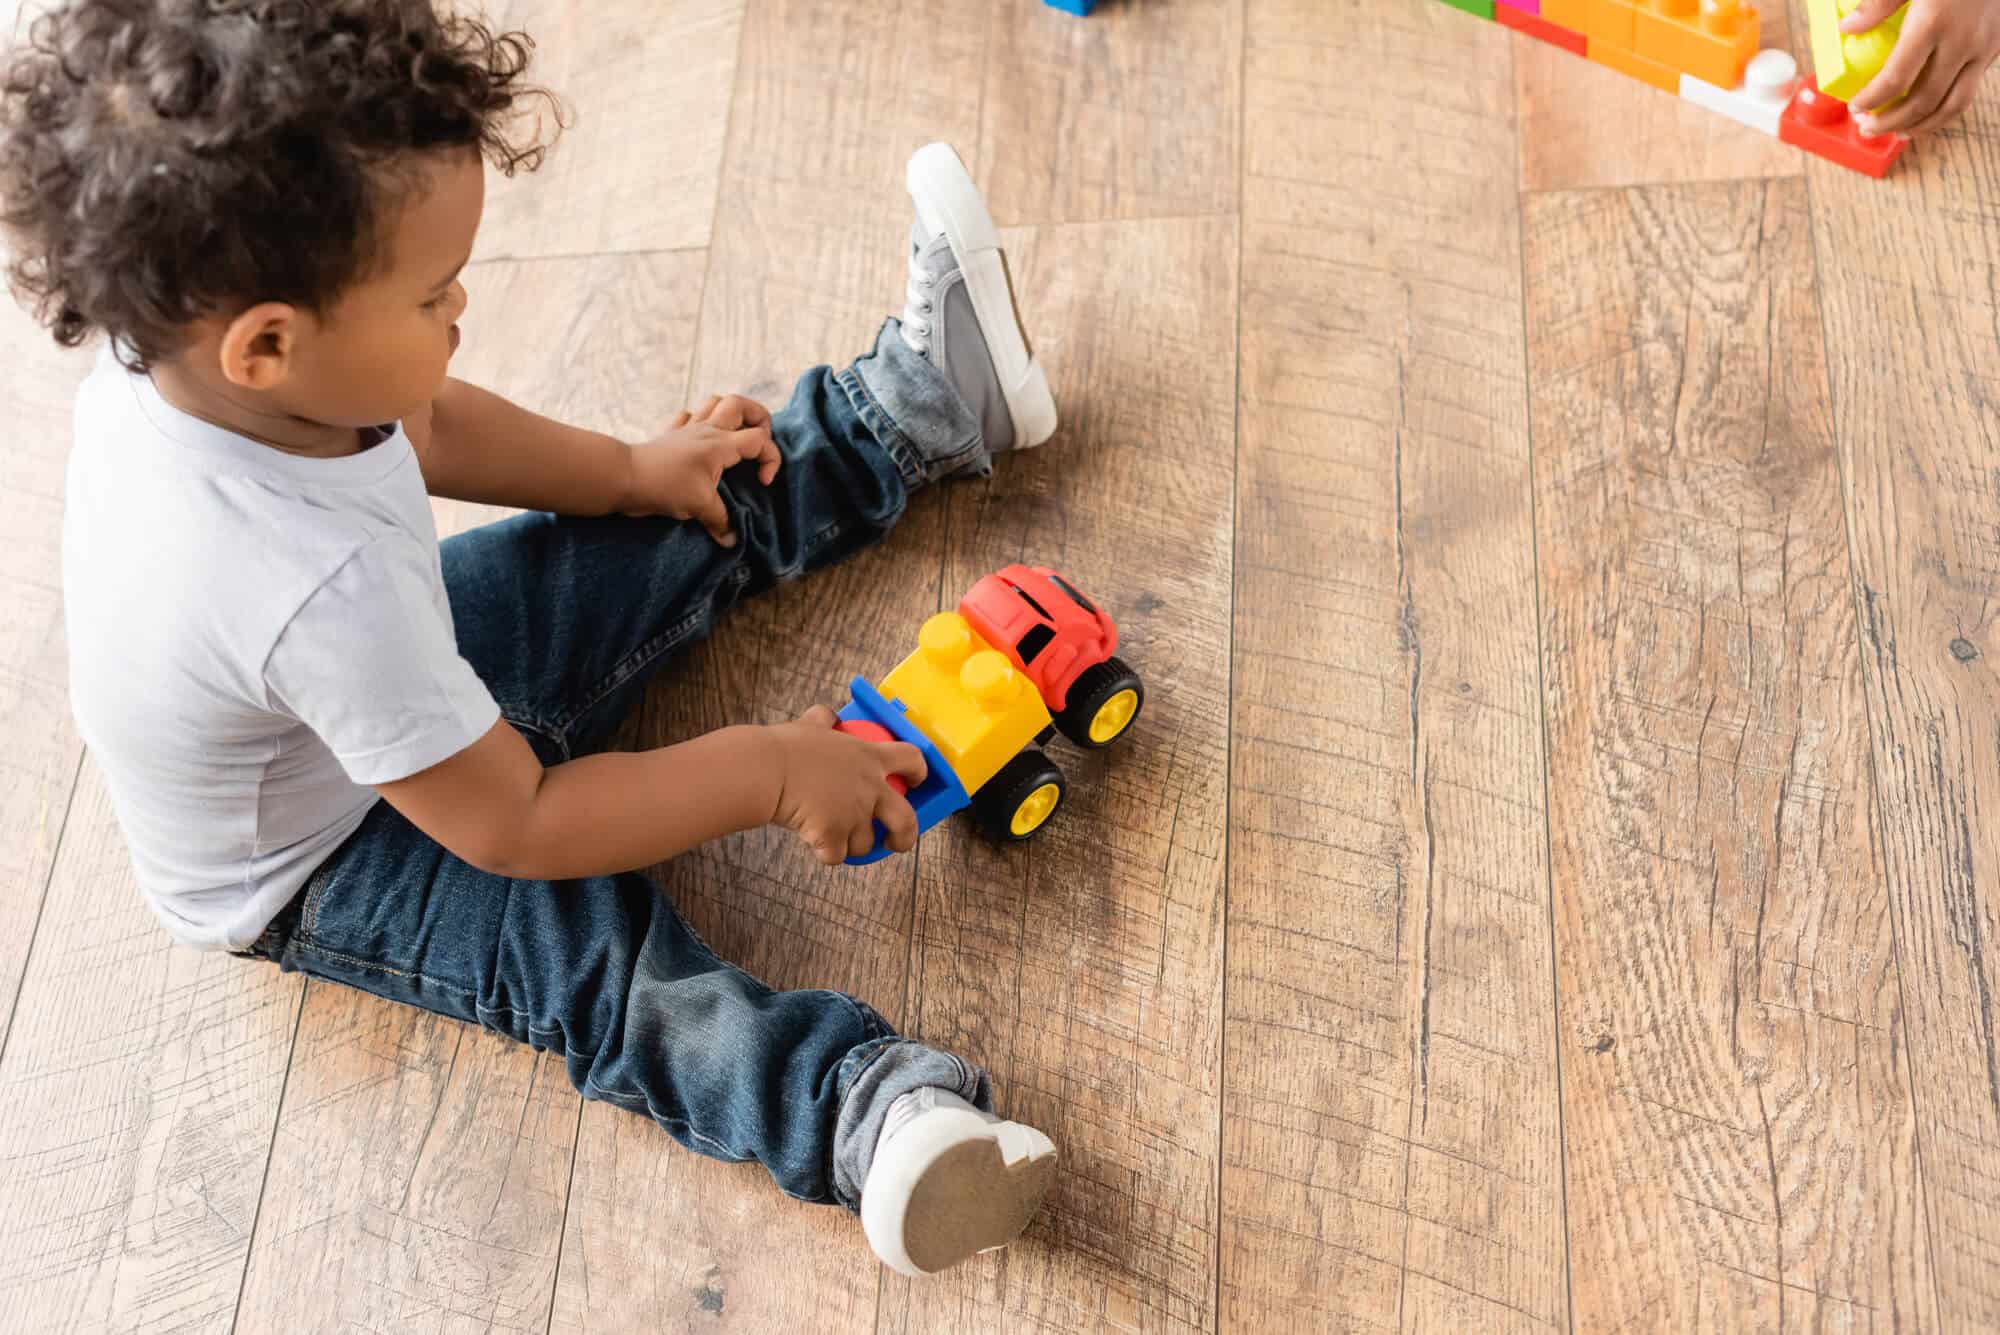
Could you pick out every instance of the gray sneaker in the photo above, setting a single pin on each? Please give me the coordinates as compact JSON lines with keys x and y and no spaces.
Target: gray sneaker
{"x":961,"y":311}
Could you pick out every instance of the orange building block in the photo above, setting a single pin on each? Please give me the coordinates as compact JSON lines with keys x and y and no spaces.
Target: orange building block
{"x":1611,"y":22}
{"x":1636,"y":65}
{"x":1710,"y":39}
{"x":1571,"y":14}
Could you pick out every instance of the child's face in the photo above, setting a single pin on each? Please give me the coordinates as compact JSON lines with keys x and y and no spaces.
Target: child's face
{"x":380,"y":352}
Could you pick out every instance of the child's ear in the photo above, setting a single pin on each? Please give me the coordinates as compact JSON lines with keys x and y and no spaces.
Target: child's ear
{"x":256,"y":351}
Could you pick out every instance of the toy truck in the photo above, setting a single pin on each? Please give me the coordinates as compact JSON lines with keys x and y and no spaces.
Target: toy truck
{"x":1024,"y":657}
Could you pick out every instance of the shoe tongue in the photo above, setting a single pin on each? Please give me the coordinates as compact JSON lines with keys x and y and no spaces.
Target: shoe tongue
{"x":914,"y":1104}
{"x":930,"y":252}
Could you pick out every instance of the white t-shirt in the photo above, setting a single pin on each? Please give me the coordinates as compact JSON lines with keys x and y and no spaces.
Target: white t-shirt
{"x":255,"y":639}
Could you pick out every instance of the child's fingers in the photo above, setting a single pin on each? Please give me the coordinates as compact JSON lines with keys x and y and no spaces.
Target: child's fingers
{"x":902,"y":759}
{"x":1868,"y":14}
{"x":713,"y":515}
{"x":899,"y":818}
{"x":820,"y":716}
{"x":1955,"y":102}
{"x":755,"y":443}
{"x":861,"y":840}
{"x":1926,"y":95}
{"x":708,"y":405}
{"x":681,"y":419}
{"x":1907,"y":67}
{"x":732,"y":412}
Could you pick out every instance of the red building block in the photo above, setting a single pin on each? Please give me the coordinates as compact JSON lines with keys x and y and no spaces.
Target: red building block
{"x":1820,"y":125}
{"x":1710,"y":39}
{"x":1521,"y":21}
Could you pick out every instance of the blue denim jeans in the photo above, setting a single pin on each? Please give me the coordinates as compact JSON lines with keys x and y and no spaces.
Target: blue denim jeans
{"x":566,"y":620}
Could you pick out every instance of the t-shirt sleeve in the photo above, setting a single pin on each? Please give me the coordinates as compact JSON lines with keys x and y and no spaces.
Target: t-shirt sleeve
{"x":371,"y":665}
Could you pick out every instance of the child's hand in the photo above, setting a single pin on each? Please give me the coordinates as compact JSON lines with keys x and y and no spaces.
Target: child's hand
{"x":1940,"y":57}
{"x":835,"y":787}
{"x":680,"y":473}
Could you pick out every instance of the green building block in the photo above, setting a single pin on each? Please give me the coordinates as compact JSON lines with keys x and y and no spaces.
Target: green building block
{"x":1478,"y":8}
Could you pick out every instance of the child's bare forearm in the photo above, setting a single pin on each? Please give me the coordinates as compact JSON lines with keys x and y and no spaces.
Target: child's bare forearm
{"x":476,"y":446}
{"x":494,"y":805}
{"x":618,"y":811}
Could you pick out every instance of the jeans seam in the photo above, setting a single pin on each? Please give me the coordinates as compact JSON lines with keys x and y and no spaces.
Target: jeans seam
{"x":630,"y":666}
{"x":916,"y":468}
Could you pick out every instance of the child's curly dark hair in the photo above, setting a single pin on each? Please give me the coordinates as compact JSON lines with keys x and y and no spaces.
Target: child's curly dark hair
{"x":164,"y":160}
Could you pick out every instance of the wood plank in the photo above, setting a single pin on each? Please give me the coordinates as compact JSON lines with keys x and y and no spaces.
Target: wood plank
{"x":809,"y":256}
{"x":1736,"y":1076}
{"x":1907,"y":268}
{"x":1084,"y":970}
{"x":648,"y":89}
{"x":422,"y":1167}
{"x":1583,"y":125}
{"x":1391,"y":1148}
{"x":137,"y":1097}
{"x":43,"y":753}
{"x":1132,"y":113}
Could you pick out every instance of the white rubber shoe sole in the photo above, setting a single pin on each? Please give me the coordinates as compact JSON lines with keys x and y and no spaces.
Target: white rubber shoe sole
{"x":950,"y":1184}
{"x":947,"y":201}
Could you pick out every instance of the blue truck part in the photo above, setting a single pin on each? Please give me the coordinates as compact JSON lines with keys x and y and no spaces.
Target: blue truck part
{"x":938,"y":797}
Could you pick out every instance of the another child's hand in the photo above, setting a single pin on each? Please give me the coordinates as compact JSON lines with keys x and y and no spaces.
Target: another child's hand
{"x":680,"y":473}
{"x":834,"y":788}
{"x":1943,"y":52}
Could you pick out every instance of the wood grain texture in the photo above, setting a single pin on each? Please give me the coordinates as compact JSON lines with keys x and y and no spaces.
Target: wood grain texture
{"x":423,"y":1167}
{"x":1131,"y":114}
{"x":137,"y":1097}
{"x":1584,"y":125}
{"x":1084,"y":970}
{"x":1391,"y":1152}
{"x":38,"y":773}
{"x":1736,"y":1075}
{"x":1907,"y":274}
{"x":647,"y":87}
{"x":803,"y":270}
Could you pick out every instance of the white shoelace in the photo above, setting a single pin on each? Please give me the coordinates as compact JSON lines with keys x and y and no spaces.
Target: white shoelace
{"x":917,"y":307}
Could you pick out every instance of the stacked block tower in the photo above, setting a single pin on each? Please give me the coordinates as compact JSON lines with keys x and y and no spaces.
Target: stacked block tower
{"x":1706,"y":52}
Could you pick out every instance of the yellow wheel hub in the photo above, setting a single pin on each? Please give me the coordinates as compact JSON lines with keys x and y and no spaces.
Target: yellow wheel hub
{"x":1035,"y":808}
{"x":1114,"y":716}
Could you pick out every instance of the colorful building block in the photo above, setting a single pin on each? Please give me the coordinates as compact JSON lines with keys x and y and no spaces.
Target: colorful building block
{"x":1636,"y":66}
{"x":1479,"y":8}
{"x":1759,"y":100}
{"x":1845,"y":63}
{"x":1820,"y":125}
{"x":1571,"y":14}
{"x":1082,"y":7}
{"x":1611,"y":23}
{"x":1523,"y":6}
{"x":1521,"y":21}
{"x":1710,"y":39}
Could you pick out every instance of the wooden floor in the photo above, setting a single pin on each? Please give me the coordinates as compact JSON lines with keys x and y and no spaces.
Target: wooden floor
{"x":1556,"y":882}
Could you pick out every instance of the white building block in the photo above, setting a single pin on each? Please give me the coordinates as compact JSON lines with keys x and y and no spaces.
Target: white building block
{"x":1768,"y":82}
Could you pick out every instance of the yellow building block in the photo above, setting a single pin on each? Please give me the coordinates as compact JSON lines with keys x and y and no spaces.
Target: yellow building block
{"x":1610,"y":22}
{"x":1571,"y":14}
{"x":1635,"y":65}
{"x":1845,"y":63}
{"x":965,"y":696}
{"x":1710,"y":39}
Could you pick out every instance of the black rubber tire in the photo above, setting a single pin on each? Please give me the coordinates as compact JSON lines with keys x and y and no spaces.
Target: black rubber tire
{"x":994,"y":805}
{"x":1092,"y":690}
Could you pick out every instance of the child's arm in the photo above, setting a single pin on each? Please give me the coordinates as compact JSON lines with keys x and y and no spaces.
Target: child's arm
{"x":496,"y":807}
{"x":476,"y":446}
{"x":1942,"y":53}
